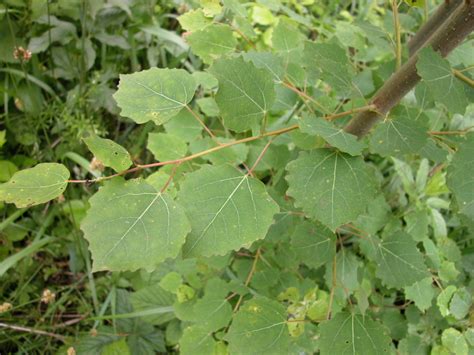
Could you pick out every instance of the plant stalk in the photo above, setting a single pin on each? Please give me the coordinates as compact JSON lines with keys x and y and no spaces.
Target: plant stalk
{"x":424,"y":33}
{"x":448,"y":36}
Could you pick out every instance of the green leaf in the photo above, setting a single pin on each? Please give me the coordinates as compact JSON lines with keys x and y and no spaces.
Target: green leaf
{"x":213,"y":311}
{"x":443,"y":85}
{"x":459,"y":178}
{"x":288,"y":42}
{"x":131,"y":225}
{"x":454,"y":341}
{"x":331,"y":187}
{"x":196,"y":341}
{"x":155,"y":94}
{"x":460,"y":303}
{"x":347,"y":266}
{"x":399,"y":262}
{"x":398,"y":136}
{"x":313,"y":243}
{"x":108,"y":152}
{"x":335,"y":136}
{"x":165,"y":146}
{"x":36,"y":185}
{"x":152,"y":299}
{"x":3,"y":138}
{"x":227,"y":210}
{"x":208,"y":106}
{"x":422,"y":293}
{"x":268,"y":61}
{"x":354,"y":334}
{"x":331,"y":61}
{"x":232,"y":155}
{"x":184,"y":126}
{"x":211,"y":7}
{"x":245,"y":93}
{"x":193,"y":20}
{"x":417,"y":224}
{"x":260,"y":324}
{"x":416,"y":3}
{"x":7,"y":170}
{"x":212,"y":42}
{"x":118,"y":347}
{"x":444,"y":298}
{"x":205,"y":80}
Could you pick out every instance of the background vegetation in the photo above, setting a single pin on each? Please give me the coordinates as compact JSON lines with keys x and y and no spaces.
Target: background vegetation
{"x":60,"y":62}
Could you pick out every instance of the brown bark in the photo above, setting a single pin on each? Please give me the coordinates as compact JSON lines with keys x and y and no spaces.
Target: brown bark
{"x":448,"y":36}
{"x":424,"y":33}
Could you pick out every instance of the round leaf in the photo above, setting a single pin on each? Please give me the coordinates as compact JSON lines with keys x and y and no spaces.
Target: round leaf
{"x":34,"y":186}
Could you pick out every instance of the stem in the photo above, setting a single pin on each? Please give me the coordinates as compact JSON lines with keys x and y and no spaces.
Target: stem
{"x":33,"y":331}
{"x":463,"y":77}
{"x":430,"y":27}
{"x":201,"y":122}
{"x":398,"y":36}
{"x":219,"y":147}
{"x":249,"y":277}
{"x":11,"y":218}
{"x":449,"y":35}
{"x":350,"y":112}
{"x":333,"y":287}
{"x":303,"y":95}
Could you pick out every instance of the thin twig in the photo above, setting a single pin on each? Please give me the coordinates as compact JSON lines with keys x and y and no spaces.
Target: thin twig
{"x":463,"y":77}
{"x":304,"y":95}
{"x":201,"y":122}
{"x":249,"y":277}
{"x":349,"y":112}
{"x":333,"y":287}
{"x":33,"y":331}
{"x":398,"y":36}
{"x":277,"y":132}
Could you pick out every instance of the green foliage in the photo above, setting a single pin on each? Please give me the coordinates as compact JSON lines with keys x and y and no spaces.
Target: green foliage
{"x":131,"y":225}
{"x":355,"y":334}
{"x":34,"y":186}
{"x":227,"y":210}
{"x":245,"y":93}
{"x":346,"y":186}
{"x":155,"y":94}
{"x":108,"y":152}
{"x":241,"y":217}
{"x":262,"y":323}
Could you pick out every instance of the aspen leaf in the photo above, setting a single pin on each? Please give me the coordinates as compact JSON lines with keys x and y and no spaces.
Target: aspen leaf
{"x":108,"y":152}
{"x":227,"y":210}
{"x":332,"y":187}
{"x":399,"y":262}
{"x":36,"y":185}
{"x":335,"y":136}
{"x":155,"y":94}
{"x":459,"y":178}
{"x":349,"y":333}
{"x":438,"y":76}
{"x":261,"y":325}
{"x":212,"y":42}
{"x":245,"y":93}
{"x":131,"y":225}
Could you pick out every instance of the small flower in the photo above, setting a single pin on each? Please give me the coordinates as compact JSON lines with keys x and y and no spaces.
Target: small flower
{"x":48,"y":296}
{"x":22,"y":54}
{"x":71,"y":351}
{"x":5,"y":307}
